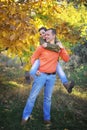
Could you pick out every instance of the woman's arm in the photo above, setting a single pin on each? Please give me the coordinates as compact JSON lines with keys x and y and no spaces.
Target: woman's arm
{"x":52,"y":47}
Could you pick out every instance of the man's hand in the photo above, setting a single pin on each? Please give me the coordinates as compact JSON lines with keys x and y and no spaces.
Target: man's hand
{"x":59,"y":44}
{"x":38,"y":73}
{"x":44,"y":44}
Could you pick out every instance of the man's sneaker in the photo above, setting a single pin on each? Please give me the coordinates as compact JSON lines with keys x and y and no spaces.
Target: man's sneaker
{"x":23,"y":122}
{"x":47,"y":123}
{"x":69,"y":86}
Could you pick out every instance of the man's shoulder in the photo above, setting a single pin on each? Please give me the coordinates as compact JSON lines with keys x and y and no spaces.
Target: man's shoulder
{"x":39,"y":47}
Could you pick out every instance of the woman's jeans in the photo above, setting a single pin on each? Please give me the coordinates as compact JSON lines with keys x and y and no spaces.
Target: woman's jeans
{"x":59,"y":70}
{"x":46,"y":81}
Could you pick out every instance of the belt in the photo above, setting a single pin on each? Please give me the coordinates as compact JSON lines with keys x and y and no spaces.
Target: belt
{"x":50,"y":73}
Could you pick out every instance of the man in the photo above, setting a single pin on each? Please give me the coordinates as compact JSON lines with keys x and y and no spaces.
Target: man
{"x":53,"y":47}
{"x":46,"y":79}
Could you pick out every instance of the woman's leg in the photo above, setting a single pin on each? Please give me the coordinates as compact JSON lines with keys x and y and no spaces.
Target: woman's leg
{"x":68,"y":85}
{"x":34,"y":67}
{"x":61,"y":74}
{"x":29,"y":75}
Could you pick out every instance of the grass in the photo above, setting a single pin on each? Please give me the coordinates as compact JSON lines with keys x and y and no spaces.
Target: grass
{"x":79,"y":75}
{"x":69,"y":111}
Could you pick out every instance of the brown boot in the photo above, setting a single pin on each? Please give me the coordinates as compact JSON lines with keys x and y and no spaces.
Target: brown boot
{"x":27,"y":77}
{"x":69,"y":86}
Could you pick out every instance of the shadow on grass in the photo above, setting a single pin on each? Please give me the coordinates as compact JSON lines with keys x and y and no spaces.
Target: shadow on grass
{"x":69,"y":111}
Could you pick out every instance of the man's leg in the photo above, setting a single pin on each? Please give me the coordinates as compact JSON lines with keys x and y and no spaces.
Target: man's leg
{"x":39,"y":82}
{"x":68,"y":85}
{"x":47,"y":96}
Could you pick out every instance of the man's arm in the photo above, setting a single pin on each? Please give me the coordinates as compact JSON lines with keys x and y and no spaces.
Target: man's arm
{"x":64,"y":55}
{"x":36,"y":54}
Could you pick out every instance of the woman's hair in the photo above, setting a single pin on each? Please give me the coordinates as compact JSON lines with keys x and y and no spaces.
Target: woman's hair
{"x":42,"y":28}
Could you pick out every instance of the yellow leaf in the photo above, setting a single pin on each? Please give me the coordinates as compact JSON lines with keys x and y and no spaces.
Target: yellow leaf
{"x":12,"y":37}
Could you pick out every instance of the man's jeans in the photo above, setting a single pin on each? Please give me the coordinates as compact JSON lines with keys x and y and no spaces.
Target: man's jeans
{"x":59,"y":70}
{"x":46,"y":81}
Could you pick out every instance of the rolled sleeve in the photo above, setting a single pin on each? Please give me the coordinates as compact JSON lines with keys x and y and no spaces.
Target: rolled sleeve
{"x":64,"y":55}
{"x":36,"y":54}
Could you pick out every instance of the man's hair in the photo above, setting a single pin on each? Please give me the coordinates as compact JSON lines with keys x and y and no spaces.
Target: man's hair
{"x":53,"y":30}
{"x":42,"y":28}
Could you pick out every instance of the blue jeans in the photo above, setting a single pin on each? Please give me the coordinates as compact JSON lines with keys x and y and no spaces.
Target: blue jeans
{"x":59,"y":71}
{"x":34,"y":68}
{"x":61,"y":74}
{"x":46,"y":81}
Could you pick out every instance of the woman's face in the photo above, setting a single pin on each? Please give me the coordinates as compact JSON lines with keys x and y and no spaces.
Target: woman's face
{"x":42,"y":33}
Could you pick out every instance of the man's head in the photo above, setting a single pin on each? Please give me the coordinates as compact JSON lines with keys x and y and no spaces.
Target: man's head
{"x":42,"y":31}
{"x":50,"y":35}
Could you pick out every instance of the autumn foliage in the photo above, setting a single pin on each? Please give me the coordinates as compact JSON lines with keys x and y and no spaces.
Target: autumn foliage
{"x":19,"y":23}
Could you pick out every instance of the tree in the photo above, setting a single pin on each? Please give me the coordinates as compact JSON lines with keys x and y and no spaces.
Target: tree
{"x":20,"y":22}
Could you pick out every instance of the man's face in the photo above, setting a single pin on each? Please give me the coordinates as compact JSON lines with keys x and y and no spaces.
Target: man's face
{"x":49,"y":36}
{"x":42,"y":33}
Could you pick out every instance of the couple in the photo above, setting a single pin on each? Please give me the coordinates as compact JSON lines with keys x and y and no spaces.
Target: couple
{"x":46,"y":76}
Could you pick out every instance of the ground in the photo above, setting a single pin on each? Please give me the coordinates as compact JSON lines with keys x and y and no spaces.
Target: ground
{"x":69,"y":111}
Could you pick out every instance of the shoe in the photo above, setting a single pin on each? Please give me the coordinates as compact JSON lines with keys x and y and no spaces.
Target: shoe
{"x":69,"y":86}
{"x":23,"y":122}
{"x":27,"y":77}
{"x":47,"y":122}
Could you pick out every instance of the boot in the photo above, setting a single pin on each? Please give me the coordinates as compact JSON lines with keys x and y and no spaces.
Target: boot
{"x":27,"y":77}
{"x":69,"y":86}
